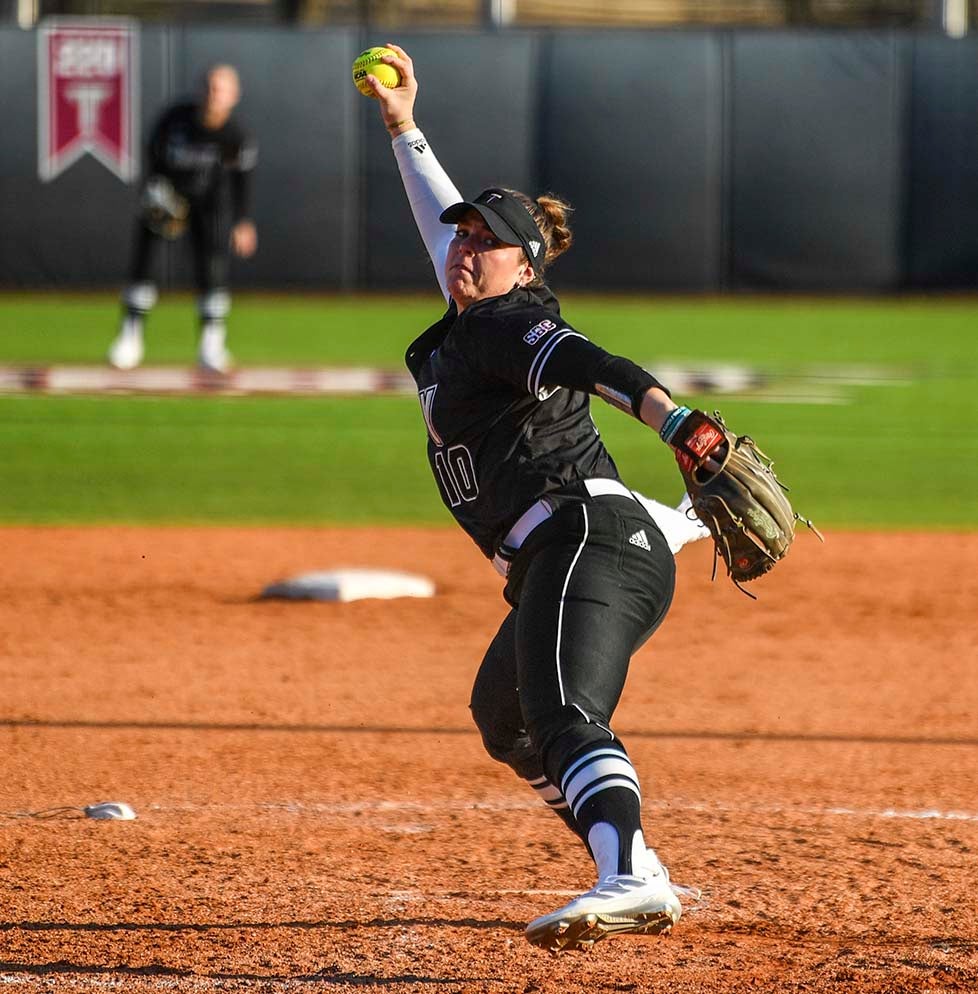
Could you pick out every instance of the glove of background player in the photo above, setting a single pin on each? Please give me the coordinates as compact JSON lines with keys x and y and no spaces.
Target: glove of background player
{"x":742,"y":502}
{"x":164,"y":211}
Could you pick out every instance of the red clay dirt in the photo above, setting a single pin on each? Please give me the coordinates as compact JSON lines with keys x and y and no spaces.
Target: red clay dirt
{"x":315,"y":811}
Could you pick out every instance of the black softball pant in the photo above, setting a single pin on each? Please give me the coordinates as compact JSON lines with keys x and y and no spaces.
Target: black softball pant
{"x":209,"y":231}
{"x":586,"y":594}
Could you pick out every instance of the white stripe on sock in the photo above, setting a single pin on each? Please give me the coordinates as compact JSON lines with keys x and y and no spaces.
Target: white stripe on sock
{"x":606,"y":785}
{"x":598,"y":753}
{"x":602,"y":769}
{"x":547,"y":791}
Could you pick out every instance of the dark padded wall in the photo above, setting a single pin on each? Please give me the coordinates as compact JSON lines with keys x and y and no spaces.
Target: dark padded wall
{"x":18,"y":155}
{"x":697,"y":160}
{"x":631,"y":134}
{"x":817,"y":160}
{"x":298,"y":98}
{"x":76,"y":229}
{"x":943,"y":226}
{"x":63,"y":232}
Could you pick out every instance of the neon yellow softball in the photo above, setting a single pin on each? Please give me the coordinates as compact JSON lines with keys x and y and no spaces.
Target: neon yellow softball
{"x":368,"y":63}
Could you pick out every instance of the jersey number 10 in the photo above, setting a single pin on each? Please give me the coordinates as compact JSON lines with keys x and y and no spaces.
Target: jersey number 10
{"x":456,"y":472}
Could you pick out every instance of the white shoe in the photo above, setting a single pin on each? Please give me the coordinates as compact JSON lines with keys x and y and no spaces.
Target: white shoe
{"x":651,"y":865}
{"x":213,"y":356}
{"x":619,"y":904}
{"x":126,"y":352}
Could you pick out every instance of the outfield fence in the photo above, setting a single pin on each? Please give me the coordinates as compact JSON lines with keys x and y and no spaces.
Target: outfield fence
{"x":698,"y":160}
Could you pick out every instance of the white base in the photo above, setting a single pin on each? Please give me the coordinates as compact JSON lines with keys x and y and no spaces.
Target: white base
{"x":110,"y":811}
{"x":351,"y":585}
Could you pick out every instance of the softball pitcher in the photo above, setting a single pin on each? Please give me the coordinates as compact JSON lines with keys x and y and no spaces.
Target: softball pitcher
{"x":504,"y":384}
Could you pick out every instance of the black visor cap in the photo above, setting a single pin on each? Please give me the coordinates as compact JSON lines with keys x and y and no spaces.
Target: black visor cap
{"x":507,"y":219}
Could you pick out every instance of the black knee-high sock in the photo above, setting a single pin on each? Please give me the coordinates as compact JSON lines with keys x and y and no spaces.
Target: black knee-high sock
{"x":601,"y":787}
{"x":557,"y":803}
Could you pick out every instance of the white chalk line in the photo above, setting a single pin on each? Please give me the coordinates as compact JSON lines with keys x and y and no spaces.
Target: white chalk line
{"x":422,"y":810}
{"x":419,"y":808}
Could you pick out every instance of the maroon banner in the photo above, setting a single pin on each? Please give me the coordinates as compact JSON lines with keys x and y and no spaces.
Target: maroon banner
{"x":87,"y":85}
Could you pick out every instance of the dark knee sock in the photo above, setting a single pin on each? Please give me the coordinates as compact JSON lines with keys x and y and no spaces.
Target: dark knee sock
{"x":557,"y":803}
{"x":601,"y":787}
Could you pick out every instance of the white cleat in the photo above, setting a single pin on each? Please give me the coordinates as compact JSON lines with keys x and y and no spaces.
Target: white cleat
{"x":126,"y":352}
{"x":213,"y":356}
{"x":618,"y":904}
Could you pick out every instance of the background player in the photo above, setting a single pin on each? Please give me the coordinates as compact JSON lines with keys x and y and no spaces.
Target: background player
{"x":504,"y":384}
{"x":196,"y":151}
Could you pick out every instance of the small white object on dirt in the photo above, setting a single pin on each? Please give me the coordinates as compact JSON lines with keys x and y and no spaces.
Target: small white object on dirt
{"x":351,"y":585}
{"x":110,"y":811}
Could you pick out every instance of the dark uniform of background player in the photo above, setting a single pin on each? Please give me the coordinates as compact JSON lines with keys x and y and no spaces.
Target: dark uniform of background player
{"x":199,"y":177}
{"x":504,"y":384}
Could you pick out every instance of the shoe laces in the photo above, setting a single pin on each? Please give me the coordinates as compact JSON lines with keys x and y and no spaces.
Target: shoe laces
{"x":616,"y":884}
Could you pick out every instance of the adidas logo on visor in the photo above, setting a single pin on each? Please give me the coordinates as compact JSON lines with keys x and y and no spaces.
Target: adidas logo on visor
{"x":534,"y":248}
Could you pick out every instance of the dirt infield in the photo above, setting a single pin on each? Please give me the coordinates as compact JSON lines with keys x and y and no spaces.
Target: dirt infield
{"x":316,"y":813}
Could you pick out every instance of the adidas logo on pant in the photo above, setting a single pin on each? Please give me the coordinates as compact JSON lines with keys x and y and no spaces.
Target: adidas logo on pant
{"x":641,"y":540}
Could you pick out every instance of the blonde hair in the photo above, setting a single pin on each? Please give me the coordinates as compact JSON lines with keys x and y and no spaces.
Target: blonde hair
{"x":551,"y":215}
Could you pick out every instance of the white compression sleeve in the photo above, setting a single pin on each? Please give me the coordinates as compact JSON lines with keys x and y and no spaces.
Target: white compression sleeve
{"x":429,"y":191}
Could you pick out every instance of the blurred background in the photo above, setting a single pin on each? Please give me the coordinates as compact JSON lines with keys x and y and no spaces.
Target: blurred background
{"x":790,"y":145}
{"x":474,"y":13}
{"x":776,"y":212}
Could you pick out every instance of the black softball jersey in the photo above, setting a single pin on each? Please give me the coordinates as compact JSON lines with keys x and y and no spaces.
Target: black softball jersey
{"x":196,"y":158}
{"x":504,"y":389}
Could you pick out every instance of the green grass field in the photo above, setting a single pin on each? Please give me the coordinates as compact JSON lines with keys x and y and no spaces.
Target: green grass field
{"x":898,"y":453}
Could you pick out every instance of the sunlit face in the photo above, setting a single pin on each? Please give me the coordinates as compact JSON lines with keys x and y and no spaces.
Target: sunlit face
{"x":221,"y":95}
{"x":479,"y":265}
